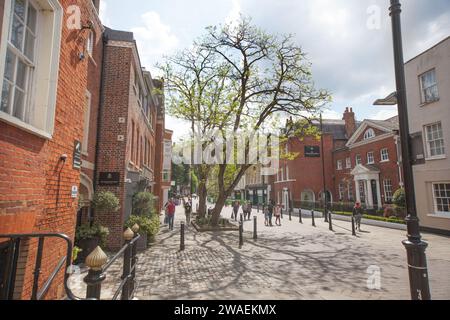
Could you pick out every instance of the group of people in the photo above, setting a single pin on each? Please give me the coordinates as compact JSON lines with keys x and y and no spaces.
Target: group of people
{"x":170,"y":207}
{"x":270,"y":210}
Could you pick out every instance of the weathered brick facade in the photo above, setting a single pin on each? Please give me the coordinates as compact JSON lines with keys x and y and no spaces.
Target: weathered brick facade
{"x":35,"y":184}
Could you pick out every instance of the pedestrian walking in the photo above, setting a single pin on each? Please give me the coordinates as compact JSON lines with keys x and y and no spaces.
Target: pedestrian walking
{"x":171,"y":213}
{"x":277,"y":211}
{"x":271,"y":207}
{"x":188,"y":211}
{"x":266,"y":216}
{"x":357,"y":215}
{"x":236,"y":207}
{"x":249,"y":210}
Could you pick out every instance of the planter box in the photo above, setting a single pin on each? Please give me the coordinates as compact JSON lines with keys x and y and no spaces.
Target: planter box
{"x":209,"y":228}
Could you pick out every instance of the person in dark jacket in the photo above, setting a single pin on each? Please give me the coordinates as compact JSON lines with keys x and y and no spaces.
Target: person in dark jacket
{"x":357,"y":215}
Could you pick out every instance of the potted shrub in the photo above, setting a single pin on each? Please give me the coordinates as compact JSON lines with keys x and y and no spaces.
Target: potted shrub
{"x":88,"y":237}
{"x":106,"y":202}
{"x":143,"y":203}
{"x":399,"y":201}
{"x":148,"y":228}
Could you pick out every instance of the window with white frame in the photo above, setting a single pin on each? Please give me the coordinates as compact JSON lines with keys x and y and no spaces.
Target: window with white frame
{"x":388,"y":191}
{"x":348,"y":163}
{"x":369,"y":134}
{"x":441,"y":193}
{"x":358,"y":159}
{"x":384,"y":154}
{"x":350,"y":190}
{"x":339,"y":165}
{"x":428,"y":86}
{"x":341,"y":191}
{"x":370,"y":158}
{"x":28,"y":89}
{"x":434,"y":140}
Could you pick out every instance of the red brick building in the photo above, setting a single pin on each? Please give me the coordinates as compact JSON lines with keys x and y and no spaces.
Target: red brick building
{"x":44,"y":81}
{"x":127,"y":130}
{"x":361,"y":164}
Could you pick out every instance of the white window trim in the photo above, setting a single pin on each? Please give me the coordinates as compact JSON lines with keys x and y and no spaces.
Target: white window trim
{"x":422,"y":93}
{"x":436,"y":212}
{"x":339,"y":165}
{"x":49,"y":79}
{"x":427,"y":145}
{"x":348,"y":163}
{"x":381,"y":155}
{"x":373,"y":158}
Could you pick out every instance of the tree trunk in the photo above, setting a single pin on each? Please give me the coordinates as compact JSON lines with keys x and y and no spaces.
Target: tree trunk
{"x":218,"y":209}
{"x":202,"y":194}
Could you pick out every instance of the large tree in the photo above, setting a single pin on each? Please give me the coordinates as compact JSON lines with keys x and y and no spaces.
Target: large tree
{"x":271,"y":75}
{"x":242,"y":78}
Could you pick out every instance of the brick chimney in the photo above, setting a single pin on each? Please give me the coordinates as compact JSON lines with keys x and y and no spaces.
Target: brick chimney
{"x":350,"y":122}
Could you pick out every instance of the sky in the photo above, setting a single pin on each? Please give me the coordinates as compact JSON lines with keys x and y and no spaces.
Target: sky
{"x":348,"y":42}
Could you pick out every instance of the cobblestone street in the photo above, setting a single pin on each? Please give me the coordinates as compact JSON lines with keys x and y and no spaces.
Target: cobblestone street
{"x":290,"y":262}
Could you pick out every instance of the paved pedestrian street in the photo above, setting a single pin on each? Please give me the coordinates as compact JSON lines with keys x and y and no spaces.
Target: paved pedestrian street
{"x":294,"y":261}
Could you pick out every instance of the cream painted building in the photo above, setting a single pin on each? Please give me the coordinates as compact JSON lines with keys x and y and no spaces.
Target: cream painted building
{"x":428,"y":93}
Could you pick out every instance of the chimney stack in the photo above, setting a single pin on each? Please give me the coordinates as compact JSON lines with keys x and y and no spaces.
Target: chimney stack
{"x":350,"y":122}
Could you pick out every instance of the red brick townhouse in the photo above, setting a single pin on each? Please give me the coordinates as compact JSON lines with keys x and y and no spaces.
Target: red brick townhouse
{"x":361,"y":163}
{"x":127,"y":129}
{"x":44,"y":79}
{"x":367,"y":169}
{"x":300,"y":179}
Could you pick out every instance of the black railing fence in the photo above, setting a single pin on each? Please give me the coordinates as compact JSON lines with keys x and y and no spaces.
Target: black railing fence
{"x":97,"y":262}
{"x":335,"y":207}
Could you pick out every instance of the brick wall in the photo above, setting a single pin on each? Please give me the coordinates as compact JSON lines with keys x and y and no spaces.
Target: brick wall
{"x":112,"y":153}
{"x":35,"y":186}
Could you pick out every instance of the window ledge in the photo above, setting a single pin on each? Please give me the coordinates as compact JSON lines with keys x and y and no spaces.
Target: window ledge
{"x":24,"y":126}
{"x":385,"y":161}
{"x":424,"y":104}
{"x":439,"y":215}
{"x":436,"y":158}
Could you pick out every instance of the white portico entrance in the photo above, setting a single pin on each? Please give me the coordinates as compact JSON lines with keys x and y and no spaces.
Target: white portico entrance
{"x":367,"y":183}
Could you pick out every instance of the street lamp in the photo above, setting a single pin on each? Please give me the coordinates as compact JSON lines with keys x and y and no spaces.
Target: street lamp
{"x":324,"y":193}
{"x":415,"y":247}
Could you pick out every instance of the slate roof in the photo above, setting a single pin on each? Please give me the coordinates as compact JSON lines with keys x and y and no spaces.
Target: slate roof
{"x":118,"y":35}
{"x":390,"y":124}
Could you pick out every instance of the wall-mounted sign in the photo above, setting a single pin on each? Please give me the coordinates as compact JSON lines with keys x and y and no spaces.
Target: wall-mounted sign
{"x":109,"y":179}
{"x":77,"y":155}
{"x":74,"y":192}
{"x":312,"y":151}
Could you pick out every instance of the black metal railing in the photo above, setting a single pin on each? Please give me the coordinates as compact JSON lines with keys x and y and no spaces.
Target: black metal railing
{"x":12,"y":261}
{"x":97,"y":262}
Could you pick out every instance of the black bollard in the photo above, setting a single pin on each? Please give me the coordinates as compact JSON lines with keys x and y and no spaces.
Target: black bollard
{"x":330,"y":221}
{"x":300,"y":216}
{"x":241,"y":235}
{"x":255,"y":228}
{"x":290,"y":215}
{"x":353,"y":226}
{"x":313,"y":219}
{"x":182,"y":246}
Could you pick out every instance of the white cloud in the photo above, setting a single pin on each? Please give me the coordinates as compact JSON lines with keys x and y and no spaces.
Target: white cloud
{"x":235,"y":12}
{"x":104,"y":13}
{"x":154,"y":40}
{"x":385,"y":113}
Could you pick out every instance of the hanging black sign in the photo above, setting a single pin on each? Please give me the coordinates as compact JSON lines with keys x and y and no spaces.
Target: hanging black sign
{"x":312,"y":151}
{"x":77,"y":155}
{"x":109,"y":178}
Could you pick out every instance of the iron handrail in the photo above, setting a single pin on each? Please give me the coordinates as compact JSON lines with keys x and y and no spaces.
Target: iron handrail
{"x":67,"y":260}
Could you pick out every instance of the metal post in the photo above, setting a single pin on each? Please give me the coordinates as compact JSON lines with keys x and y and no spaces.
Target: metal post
{"x":313,"y":219}
{"x":128,"y":236}
{"x":324,"y":195}
{"x":300,"y":216}
{"x":37,"y":269}
{"x":182,"y":246}
{"x":330,"y":220}
{"x":415,"y":247}
{"x":255,"y":228}
{"x":95,"y":261}
{"x":241,"y":235}
{"x":353,"y":226}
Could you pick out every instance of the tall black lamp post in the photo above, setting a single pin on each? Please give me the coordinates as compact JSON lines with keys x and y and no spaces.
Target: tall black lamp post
{"x":415,"y":247}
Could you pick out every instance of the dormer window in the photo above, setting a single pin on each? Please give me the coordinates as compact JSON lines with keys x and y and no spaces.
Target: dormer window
{"x":370,"y":133}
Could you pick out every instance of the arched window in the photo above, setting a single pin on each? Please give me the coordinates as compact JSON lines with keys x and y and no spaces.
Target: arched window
{"x":370,"y":133}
